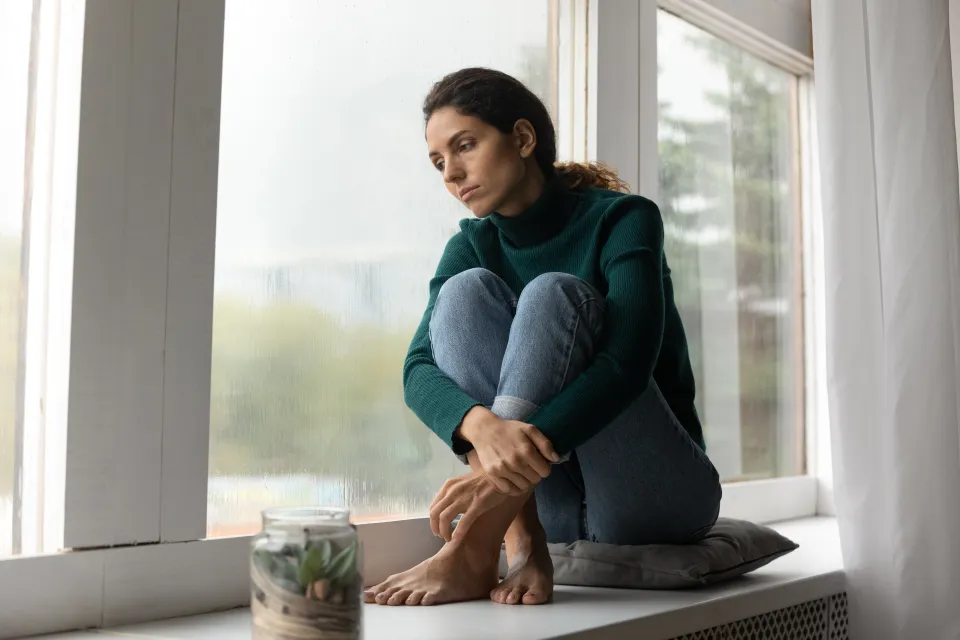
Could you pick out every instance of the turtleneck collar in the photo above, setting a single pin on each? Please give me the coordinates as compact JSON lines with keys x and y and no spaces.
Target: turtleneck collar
{"x":545,"y":218}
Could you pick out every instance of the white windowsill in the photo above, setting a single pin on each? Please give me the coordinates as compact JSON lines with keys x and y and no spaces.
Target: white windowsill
{"x":813,"y":571}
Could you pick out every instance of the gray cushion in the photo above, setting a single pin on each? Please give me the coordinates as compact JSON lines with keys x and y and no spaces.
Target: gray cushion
{"x":730,"y":549}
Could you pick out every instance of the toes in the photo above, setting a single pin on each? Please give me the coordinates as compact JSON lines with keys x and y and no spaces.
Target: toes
{"x":398,"y":598}
{"x":534,"y":597}
{"x":414,"y":598}
{"x":497,"y":595}
{"x":370,"y":595}
{"x":428,"y":599}
{"x":386,"y":594}
{"x":515,"y":595}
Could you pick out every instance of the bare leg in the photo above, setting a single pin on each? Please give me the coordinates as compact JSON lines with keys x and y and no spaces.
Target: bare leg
{"x":465,"y":569}
{"x":530,"y":578}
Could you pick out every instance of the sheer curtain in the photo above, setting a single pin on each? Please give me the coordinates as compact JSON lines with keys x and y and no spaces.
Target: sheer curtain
{"x":888,"y":164}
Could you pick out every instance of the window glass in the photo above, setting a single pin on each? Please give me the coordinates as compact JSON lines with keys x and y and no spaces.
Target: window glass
{"x":729,"y":196}
{"x":15,"y":19}
{"x":330,"y":223}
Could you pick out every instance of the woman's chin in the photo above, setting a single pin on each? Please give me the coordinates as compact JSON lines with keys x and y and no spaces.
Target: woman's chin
{"x":479,"y":211}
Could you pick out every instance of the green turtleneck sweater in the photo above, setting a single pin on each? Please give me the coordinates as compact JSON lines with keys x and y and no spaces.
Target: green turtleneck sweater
{"x":611,"y":240}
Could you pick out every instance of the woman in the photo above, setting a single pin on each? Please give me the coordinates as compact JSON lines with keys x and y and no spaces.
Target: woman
{"x":551,"y":358}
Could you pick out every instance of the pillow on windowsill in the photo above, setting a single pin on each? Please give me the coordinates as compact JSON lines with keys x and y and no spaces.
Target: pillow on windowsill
{"x":732,"y":548}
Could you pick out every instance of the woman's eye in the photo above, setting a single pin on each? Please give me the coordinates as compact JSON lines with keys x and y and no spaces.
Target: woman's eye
{"x":438,"y":165}
{"x":466,"y":146}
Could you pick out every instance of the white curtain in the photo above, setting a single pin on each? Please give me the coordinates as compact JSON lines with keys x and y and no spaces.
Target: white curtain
{"x":888,"y":167}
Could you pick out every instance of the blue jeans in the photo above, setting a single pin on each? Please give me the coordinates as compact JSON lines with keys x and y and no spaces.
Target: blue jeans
{"x":640,"y":480}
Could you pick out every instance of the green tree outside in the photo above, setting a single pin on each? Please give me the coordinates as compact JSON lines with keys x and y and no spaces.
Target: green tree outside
{"x":754,"y":124}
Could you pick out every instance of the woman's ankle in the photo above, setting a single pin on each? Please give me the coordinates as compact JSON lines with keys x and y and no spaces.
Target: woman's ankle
{"x":480,"y":555}
{"x":526,"y":534}
{"x":485,"y":537}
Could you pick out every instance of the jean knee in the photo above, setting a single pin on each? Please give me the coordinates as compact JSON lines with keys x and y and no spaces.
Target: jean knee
{"x":473,"y":284}
{"x":562,"y":295}
{"x":469,"y":281}
{"x":472,"y":299}
{"x":554,"y":284}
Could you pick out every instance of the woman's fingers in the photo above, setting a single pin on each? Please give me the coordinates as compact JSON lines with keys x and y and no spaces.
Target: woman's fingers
{"x":446,"y":522}
{"x":529,"y":472}
{"x":542,"y":443}
{"x":444,"y":491}
{"x":481,"y":502}
{"x":538,"y":464}
{"x":437,"y":498}
{"x":518,"y":484}
{"x":502,"y":484}
{"x":466,"y":521}
{"x":436,"y":512}
{"x":435,"y":522}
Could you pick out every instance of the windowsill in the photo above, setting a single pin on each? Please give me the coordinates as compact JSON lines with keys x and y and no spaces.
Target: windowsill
{"x":811,"y":572}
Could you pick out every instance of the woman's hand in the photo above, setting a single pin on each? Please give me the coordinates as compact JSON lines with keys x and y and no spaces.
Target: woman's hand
{"x":471,"y":495}
{"x":514,"y":455}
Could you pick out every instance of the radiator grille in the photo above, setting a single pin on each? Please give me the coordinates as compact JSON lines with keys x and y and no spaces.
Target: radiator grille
{"x":824,"y":619}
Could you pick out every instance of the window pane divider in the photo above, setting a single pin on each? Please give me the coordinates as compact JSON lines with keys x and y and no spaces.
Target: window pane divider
{"x":113,"y":463}
{"x":190,"y":275}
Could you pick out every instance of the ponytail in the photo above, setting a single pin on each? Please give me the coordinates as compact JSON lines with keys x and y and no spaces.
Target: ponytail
{"x":581,"y":175}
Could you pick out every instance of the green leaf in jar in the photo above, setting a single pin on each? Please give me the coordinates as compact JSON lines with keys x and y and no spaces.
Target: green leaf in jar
{"x":280,"y":568}
{"x":325,"y":550}
{"x":343,"y":566}
{"x":313,"y":567}
{"x":286,"y":574}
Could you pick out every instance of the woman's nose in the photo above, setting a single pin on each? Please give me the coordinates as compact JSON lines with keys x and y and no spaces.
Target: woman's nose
{"x":452,"y":172}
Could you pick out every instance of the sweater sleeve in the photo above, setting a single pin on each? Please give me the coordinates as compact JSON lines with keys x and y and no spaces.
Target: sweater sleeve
{"x":631,"y":260}
{"x":428,"y":391}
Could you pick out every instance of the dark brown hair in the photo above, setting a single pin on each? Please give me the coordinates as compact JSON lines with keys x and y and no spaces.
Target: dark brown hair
{"x":500,"y":100}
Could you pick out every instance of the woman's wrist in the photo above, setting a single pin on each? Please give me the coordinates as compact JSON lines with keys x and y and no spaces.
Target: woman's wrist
{"x":473,"y":421}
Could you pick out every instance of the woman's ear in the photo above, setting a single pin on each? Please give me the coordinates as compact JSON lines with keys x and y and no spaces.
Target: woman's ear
{"x":526,"y":137}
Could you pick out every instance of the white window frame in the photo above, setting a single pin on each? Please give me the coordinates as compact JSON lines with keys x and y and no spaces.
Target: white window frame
{"x":780,"y":35}
{"x":135,"y":457}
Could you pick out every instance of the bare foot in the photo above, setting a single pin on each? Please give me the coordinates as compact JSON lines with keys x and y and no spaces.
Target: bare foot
{"x":458,"y":572}
{"x":530,"y":578}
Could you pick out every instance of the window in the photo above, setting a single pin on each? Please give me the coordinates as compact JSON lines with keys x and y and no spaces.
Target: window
{"x":15,"y":53}
{"x":39,"y":113}
{"x":729,"y":193}
{"x":330,"y":222}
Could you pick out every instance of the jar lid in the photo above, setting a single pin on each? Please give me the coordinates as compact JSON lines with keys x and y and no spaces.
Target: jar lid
{"x":306,"y":516}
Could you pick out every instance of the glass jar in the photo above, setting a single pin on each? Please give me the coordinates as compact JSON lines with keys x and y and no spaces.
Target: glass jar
{"x":305,"y":576}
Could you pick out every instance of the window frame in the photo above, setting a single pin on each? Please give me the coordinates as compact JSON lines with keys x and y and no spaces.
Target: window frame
{"x":134,"y":489}
{"x":813,"y":444}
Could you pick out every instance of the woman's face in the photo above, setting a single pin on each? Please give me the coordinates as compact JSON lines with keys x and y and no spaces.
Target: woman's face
{"x":485,"y":169}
